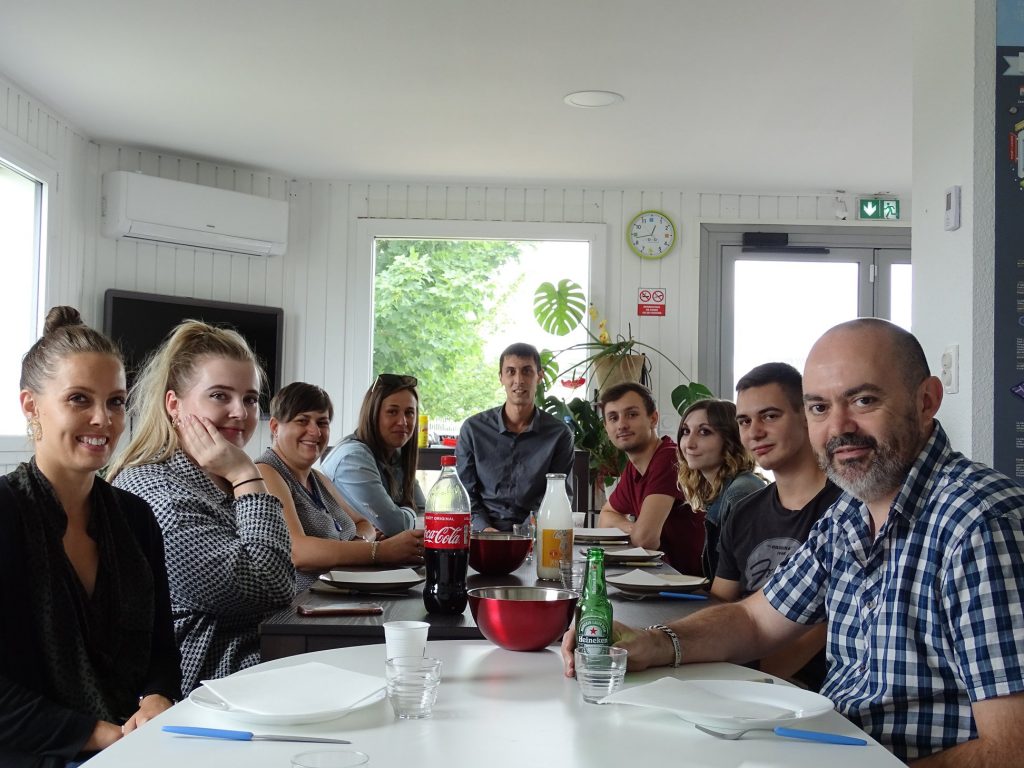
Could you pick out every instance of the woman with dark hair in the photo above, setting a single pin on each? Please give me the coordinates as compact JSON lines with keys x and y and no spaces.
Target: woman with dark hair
{"x":375,"y":467}
{"x":715,"y":470}
{"x":229,"y":565}
{"x":325,"y":530}
{"x":87,"y":650}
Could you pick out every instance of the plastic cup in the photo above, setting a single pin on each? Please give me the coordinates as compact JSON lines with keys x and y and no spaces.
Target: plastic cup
{"x":412,"y":686}
{"x":573,"y":574}
{"x":526,"y":529}
{"x":330,"y":758}
{"x":405,"y":638}
{"x":601,"y":673}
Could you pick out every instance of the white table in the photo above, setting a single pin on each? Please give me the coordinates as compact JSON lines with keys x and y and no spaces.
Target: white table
{"x":497,"y":709}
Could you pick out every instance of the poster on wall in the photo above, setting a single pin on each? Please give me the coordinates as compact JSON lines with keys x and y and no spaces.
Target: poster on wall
{"x":1008,"y":406}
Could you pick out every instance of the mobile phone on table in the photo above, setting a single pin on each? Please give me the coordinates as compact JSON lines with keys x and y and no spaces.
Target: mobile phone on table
{"x":341,"y":609}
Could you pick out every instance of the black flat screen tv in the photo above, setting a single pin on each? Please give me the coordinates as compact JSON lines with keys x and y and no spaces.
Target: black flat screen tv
{"x":139,"y":322}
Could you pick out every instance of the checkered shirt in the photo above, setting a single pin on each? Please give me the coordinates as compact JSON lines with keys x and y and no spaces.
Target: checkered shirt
{"x":928,"y":616}
{"x":228,"y":564}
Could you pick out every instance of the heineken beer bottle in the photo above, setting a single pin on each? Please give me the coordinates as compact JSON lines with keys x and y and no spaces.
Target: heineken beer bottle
{"x":594,"y":623}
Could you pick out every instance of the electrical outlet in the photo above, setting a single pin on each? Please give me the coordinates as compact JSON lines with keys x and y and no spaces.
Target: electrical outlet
{"x":950,"y":373}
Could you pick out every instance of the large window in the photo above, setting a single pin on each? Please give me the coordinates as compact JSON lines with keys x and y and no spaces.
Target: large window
{"x":772,"y":304}
{"x":21,"y":238}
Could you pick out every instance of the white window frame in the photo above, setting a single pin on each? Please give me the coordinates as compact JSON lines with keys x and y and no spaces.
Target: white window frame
{"x":37,"y":166}
{"x":359,"y":312}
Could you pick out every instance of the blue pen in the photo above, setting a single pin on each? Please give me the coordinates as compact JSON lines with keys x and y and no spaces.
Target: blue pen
{"x":683,"y":596}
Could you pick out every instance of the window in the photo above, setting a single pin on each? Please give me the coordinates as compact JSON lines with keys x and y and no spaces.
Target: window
{"x":21,"y":244}
{"x":447,"y":296}
{"x":772,"y":304}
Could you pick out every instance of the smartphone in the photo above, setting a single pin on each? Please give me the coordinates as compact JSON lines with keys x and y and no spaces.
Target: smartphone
{"x":348,"y":609}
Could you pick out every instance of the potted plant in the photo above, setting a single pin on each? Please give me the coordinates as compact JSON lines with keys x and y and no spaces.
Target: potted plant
{"x":560,"y":310}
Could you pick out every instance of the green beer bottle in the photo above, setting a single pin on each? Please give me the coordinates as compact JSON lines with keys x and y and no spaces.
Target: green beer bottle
{"x":594,"y":622}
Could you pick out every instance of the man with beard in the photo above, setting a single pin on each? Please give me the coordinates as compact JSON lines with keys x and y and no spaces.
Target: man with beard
{"x":918,"y":569}
{"x":647,"y":502}
{"x":503,"y":453}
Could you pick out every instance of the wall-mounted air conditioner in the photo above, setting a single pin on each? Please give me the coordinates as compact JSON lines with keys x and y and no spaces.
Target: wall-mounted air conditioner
{"x":167,"y":211}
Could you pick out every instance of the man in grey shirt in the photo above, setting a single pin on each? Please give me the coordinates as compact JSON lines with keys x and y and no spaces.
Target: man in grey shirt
{"x":504,"y":453}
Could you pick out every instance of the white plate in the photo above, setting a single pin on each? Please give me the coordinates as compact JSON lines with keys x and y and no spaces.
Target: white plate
{"x":599,"y":534}
{"x":204,"y":698}
{"x":730,"y":704}
{"x":645,"y":582}
{"x":373,"y":581}
{"x":632,"y":554}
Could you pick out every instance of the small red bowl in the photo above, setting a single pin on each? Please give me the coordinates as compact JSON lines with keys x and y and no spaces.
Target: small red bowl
{"x":497,"y":554}
{"x":522,"y":618}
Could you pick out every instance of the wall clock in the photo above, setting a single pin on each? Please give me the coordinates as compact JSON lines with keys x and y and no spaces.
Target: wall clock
{"x":651,"y":235}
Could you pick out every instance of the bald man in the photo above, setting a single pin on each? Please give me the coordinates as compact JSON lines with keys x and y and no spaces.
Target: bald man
{"x":918,"y":569}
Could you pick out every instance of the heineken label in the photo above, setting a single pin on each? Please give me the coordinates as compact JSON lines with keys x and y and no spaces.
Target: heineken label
{"x":593,"y":634}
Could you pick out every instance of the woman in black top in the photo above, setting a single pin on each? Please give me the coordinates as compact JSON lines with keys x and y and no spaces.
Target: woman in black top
{"x":87,"y":650}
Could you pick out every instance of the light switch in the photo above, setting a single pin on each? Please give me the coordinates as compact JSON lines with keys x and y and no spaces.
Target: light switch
{"x":950,"y":372}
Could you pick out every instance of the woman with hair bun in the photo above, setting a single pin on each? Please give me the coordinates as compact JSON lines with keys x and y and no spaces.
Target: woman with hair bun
{"x":87,"y":651}
{"x":715,"y":470}
{"x":195,"y":406}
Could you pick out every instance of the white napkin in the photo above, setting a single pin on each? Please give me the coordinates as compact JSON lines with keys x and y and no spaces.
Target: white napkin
{"x":394,"y":576}
{"x":309,"y":687}
{"x":638,"y":578}
{"x":698,"y":697}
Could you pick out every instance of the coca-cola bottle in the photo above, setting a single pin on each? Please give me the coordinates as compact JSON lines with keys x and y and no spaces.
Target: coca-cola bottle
{"x":446,"y":542}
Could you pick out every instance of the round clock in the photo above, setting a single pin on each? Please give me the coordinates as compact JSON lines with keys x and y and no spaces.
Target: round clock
{"x":651,"y":234}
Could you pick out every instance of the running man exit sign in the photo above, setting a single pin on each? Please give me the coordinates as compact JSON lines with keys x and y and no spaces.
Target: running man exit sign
{"x":878,"y":208}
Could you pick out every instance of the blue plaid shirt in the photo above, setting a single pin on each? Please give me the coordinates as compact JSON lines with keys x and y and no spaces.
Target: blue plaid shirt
{"x":926,"y":617}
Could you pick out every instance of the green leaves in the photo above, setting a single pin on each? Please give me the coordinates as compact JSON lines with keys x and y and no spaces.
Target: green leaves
{"x":559,"y":310}
{"x":686,"y":395}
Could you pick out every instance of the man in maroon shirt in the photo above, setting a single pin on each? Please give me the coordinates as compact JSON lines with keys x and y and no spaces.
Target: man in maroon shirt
{"x":647,"y":503}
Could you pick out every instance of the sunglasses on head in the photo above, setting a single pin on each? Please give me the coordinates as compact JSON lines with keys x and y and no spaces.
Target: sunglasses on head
{"x":394,"y":380}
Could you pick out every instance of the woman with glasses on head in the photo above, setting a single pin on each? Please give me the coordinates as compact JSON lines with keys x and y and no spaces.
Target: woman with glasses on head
{"x":325,"y":530}
{"x":87,"y":651}
{"x":375,"y":467}
{"x":715,"y":470}
{"x":229,"y":565}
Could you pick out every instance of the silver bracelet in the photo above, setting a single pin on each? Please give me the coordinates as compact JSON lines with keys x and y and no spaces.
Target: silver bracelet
{"x":675,"y":642}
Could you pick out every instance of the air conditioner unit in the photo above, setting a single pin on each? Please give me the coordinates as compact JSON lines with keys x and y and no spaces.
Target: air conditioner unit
{"x":167,"y":211}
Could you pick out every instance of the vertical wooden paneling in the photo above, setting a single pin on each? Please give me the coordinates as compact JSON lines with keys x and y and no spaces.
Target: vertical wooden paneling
{"x":533,"y":205}
{"x":750,"y":207}
{"x":437,"y":203}
{"x":729,"y":206}
{"x":476,"y":203}
{"x":788,"y":210}
{"x":417,"y":203}
{"x":807,"y":207}
{"x":494,"y":204}
{"x":709,"y":206}
{"x":515,"y":204}
{"x":455,"y":202}
{"x":767,"y":207}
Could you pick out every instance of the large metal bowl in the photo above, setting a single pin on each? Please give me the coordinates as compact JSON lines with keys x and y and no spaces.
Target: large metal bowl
{"x":522,"y":618}
{"x":497,"y":554}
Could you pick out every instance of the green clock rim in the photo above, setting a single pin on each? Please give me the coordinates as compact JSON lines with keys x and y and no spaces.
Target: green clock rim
{"x":675,"y":236}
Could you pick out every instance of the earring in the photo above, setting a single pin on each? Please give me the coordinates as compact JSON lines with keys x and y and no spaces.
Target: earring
{"x":34,"y":429}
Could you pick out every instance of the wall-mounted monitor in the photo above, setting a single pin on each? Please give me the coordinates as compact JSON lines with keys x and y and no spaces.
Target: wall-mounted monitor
{"x":139,"y":322}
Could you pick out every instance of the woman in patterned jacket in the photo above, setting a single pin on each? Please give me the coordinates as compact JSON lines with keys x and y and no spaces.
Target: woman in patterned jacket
{"x":228,"y":551}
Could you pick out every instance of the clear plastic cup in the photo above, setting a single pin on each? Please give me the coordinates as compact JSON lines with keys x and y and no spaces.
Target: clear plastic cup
{"x":601,"y":673}
{"x":412,"y":686}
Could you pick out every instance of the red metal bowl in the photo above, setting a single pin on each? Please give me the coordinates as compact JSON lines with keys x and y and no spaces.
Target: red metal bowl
{"x":497,"y":554}
{"x":522,"y":618}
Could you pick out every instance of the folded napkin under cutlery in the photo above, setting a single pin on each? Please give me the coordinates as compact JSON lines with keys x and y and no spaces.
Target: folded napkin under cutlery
{"x":221,"y":733}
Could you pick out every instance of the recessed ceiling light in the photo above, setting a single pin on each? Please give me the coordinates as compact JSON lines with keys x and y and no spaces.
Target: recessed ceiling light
{"x":591,"y":99}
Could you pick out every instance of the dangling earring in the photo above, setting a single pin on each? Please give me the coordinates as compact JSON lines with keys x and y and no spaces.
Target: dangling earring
{"x":34,"y":428}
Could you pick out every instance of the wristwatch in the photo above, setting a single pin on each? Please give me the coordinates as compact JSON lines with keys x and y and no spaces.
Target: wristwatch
{"x":676,"y":649}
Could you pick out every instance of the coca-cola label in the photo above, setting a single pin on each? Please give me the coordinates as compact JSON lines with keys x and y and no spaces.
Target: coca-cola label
{"x":446,"y":530}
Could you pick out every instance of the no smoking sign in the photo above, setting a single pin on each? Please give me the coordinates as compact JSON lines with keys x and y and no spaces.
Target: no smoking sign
{"x":650,"y":302}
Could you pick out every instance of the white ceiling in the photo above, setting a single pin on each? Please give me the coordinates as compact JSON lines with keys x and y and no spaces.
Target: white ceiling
{"x":727,"y":95}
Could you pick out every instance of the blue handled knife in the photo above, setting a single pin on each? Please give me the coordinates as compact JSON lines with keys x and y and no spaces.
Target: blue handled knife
{"x":221,"y":733}
{"x":820,"y":736}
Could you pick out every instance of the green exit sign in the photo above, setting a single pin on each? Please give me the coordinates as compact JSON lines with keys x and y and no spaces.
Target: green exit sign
{"x":878,"y":208}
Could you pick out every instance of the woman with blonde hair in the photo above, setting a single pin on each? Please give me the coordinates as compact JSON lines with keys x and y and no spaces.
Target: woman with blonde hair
{"x":325,"y":530}
{"x":87,"y":650}
{"x":715,"y":470}
{"x":195,"y":407}
{"x":375,"y":467}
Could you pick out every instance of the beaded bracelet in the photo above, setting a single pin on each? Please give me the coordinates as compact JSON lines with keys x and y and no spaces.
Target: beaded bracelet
{"x":373,"y":553}
{"x":675,"y":642}
{"x":250,"y":480}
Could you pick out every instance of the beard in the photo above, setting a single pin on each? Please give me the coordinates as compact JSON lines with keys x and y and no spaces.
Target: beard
{"x":879,"y":474}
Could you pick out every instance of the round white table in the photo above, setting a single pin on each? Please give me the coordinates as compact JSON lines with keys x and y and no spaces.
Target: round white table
{"x":497,"y":709}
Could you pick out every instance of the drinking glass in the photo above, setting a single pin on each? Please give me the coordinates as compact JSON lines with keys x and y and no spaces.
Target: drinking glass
{"x":330,"y":758}
{"x":412,"y":685}
{"x":573,"y":574}
{"x":526,"y":528}
{"x":600,"y":673}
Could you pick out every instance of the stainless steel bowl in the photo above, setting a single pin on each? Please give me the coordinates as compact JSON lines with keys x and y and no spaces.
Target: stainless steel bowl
{"x":522,"y":618}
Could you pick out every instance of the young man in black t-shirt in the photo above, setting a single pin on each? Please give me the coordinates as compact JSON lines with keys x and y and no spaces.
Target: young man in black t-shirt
{"x":768,"y":525}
